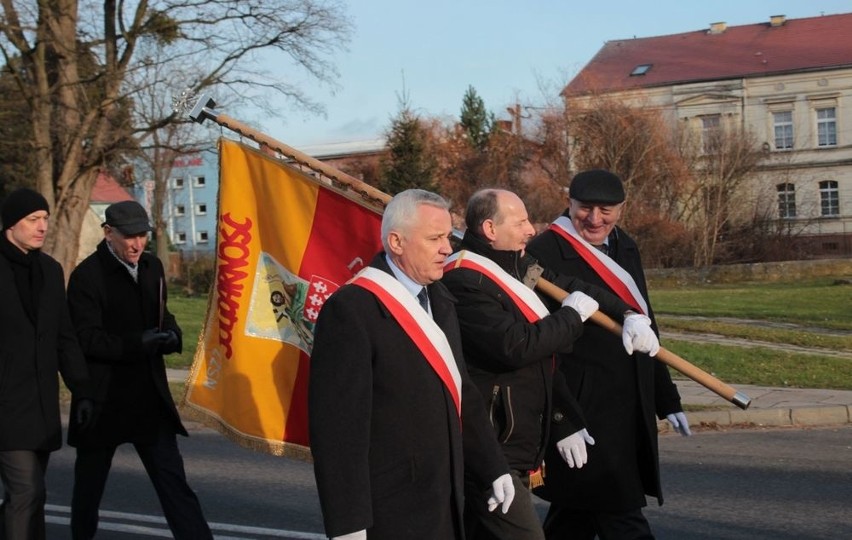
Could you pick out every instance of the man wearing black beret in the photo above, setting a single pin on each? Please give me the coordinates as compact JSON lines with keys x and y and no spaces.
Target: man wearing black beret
{"x":618,"y":384}
{"x":118,"y":303}
{"x":37,"y":340}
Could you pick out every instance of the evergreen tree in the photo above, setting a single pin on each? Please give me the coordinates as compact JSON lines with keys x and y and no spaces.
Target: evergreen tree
{"x":410,"y":163}
{"x":475,"y":120}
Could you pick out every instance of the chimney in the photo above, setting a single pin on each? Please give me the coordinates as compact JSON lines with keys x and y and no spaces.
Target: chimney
{"x":717,"y":28}
{"x":777,"y":20}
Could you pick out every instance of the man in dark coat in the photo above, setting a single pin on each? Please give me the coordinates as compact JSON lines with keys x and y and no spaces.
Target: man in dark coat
{"x":117,"y":299}
{"x":512,"y":355}
{"x":618,"y":392}
{"x":36,"y":341}
{"x":394,"y":419}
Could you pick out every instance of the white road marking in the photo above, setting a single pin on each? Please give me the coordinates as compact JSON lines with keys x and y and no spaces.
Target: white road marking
{"x":106,"y":515}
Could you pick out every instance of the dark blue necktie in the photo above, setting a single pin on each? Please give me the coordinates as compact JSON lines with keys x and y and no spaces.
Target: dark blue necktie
{"x":423,"y":296}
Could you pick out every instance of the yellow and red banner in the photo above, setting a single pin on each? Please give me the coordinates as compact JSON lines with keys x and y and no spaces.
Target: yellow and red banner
{"x":285,"y":242}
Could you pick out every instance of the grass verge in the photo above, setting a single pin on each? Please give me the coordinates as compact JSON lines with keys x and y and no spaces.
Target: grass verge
{"x":818,"y":302}
{"x":802,"y":338}
{"x":765,"y":367}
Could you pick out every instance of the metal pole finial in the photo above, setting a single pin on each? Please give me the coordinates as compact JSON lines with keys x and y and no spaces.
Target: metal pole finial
{"x":202,"y":108}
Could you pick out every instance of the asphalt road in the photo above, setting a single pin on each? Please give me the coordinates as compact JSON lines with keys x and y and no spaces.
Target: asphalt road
{"x":774,"y":484}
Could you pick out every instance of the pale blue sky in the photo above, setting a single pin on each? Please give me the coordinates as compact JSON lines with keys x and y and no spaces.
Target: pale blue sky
{"x":504,"y":49}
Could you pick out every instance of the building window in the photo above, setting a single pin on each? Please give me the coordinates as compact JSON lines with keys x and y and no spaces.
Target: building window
{"x":177,"y":183}
{"x":201,"y":237}
{"x":199,"y":181}
{"x":641,"y":69}
{"x":829,"y":198}
{"x":783,"y":123}
{"x":786,"y":200}
{"x":201,"y":209}
{"x":180,"y":238}
{"x":826,"y":127}
{"x":180,"y":210}
{"x":710,"y":131}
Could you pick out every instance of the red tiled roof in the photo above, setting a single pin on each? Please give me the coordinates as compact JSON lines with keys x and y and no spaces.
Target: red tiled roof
{"x":739,"y":51}
{"x":107,"y":190}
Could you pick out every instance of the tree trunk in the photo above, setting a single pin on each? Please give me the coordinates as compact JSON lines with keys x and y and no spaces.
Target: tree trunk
{"x":163,"y":246}
{"x":63,"y":240}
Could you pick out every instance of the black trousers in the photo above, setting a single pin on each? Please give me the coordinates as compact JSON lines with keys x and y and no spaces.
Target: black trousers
{"x":164,"y":465}
{"x":568,"y":524}
{"x":519,"y":523}
{"x":22,"y":511}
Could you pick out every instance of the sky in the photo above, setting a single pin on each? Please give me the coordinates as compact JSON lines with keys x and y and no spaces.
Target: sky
{"x":509,"y":51}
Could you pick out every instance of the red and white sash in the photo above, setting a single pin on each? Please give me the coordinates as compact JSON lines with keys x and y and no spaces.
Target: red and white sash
{"x":615,"y":276}
{"x":524,"y":298}
{"x":417,"y":324}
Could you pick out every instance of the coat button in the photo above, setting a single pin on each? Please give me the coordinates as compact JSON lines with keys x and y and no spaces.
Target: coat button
{"x":558,"y":416}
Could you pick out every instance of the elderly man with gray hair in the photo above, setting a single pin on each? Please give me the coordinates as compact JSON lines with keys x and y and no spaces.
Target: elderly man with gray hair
{"x":395,"y":422}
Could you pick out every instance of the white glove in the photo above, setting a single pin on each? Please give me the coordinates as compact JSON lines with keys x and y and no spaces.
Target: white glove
{"x":573,"y":448}
{"x":679,"y":423}
{"x":502,"y":493}
{"x":358,"y":535}
{"x":637,"y":335}
{"x":582,"y":303}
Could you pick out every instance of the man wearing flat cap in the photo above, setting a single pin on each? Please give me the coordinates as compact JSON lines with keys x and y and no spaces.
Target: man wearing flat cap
{"x":117,"y":298}
{"x":618,"y":385}
{"x":36,"y":341}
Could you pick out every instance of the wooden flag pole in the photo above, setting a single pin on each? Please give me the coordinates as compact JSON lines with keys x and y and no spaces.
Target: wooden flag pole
{"x":203,"y":109}
{"x":665,"y":356}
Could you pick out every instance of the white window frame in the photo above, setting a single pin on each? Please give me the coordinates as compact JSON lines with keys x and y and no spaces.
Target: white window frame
{"x":786,"y":200}
{"x":202,"y":237}
{"x":826,"y":126}
{"x":180,"y":237}
{"x":829,"y":198}
{"x":711,"y":125}
{"x":199,"y":181}
{"x":786,"y":129}
{"x":180,"y":210}
{"x":177,"y":182}
{"x":201,"y":209}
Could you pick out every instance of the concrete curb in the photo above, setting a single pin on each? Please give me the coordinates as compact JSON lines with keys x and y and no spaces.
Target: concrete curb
{"x":798,"y":416}
{"x":770,"y":407}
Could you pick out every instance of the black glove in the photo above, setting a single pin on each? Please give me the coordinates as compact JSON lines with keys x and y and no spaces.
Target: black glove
{"x":85,"y":412}
{"x":172,"y":343}
{"x":152,"y":340}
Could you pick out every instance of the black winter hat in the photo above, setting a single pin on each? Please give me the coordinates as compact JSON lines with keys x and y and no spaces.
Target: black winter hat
{"x":21,"y":203}
{"x":128,"y":217}
{"x":596,"y":186}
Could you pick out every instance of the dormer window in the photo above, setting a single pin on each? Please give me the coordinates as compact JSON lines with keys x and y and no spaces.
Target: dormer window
{"x":641,"y":69}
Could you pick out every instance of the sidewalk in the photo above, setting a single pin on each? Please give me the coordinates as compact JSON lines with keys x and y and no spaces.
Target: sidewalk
{"x":768,"y":406}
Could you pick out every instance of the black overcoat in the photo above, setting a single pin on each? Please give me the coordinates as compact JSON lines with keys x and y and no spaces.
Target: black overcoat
{"x":618,"y":394}
{"x":389,"y":454}
{"x":30,"y":356}
{"x":513,"y":361}
{"x":110,"y":311}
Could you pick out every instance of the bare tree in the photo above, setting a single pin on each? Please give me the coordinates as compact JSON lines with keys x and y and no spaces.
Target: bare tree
{"x":715,"y":201}
{"x":158,"y":148}
{"x":74,"y":62}
{"x":639,"y":145}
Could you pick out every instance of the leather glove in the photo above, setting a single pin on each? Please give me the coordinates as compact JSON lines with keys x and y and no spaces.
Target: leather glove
{"x":582,"y":303}
{"x":171,"y":344}
{"x":502,"y":493}
{"x":637,"y":335}
{"x":573,"y":448}
{"x":679,"y":423}
{"x":85,"y":412}
{"x":357,"y":535}
{"x":152,"y":340}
